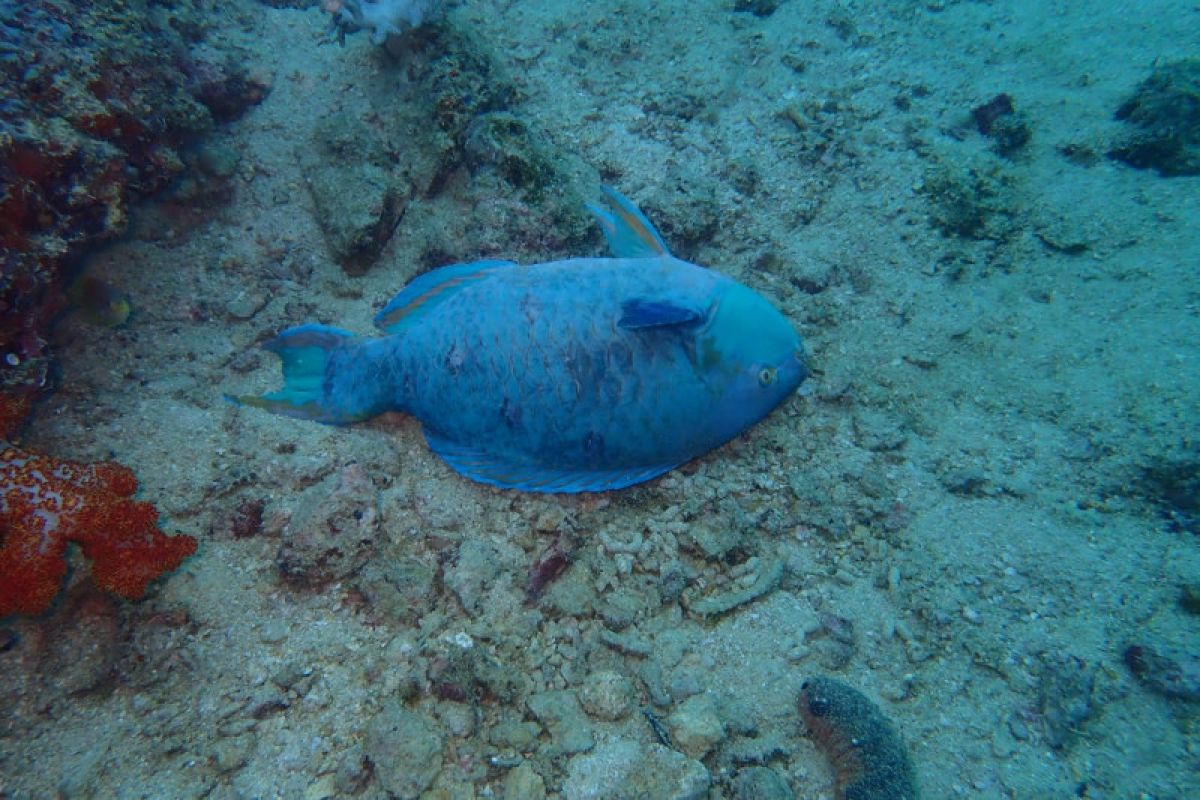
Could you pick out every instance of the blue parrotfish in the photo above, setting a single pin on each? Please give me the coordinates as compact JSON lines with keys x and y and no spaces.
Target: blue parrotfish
{"x":581,"y":375}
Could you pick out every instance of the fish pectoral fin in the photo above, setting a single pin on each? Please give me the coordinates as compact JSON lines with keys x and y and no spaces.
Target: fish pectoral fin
{"x":629,"y":233}
{"x":506,"y":473}
{"x":643,"y":312}
{"x":426,"y":291}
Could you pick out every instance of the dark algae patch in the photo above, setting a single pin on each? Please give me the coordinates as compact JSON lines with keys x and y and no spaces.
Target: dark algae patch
{"x":1165,"y":114}
{"x":867,"y":754}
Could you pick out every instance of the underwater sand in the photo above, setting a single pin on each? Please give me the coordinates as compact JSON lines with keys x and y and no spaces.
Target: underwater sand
{"x":958,"y":496}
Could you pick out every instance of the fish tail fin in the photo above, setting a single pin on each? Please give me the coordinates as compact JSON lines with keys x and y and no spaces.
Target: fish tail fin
{"x":308,"y":377}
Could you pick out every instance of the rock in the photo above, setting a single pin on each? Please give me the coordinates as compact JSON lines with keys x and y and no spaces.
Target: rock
{"x":217,"y":160}
{"x":1065,"y":697}
{"x":514,"y":735}
{"x":756,"y":750}
{"x":1166,"y":118}
{"x":231,"y":753}
{"x":695,"y":726}
{"x":760,"y":783}
{"x":759,"y":8}
{"x":459,"y":718}
{"x":353,"y":771}
{"x":559,"y":711}
{"x":1172,"y":675}
{"x":474,"y":574}
{"x":82,"y":645}
{"x":1172,"y":481}
{"x":999,"y":120}
{"x":607,"y":695}
{"x":323,"y":788}
{"x":406,"y":750}
{"x":398,"y":588}
{"x":522,"y":783}
{"x":513,"y":148}
{"x":246,"y":304}
{"x":1189,"y":598}
{"x":620,"y":608}
{"x":877,"y":431}
{"x":273,"y":631}
{"x":358,"y":197}
{"x":712,"y":542}
{"x":970,"y":201}
{"x":461,"y":671}
{"x":631,"y":643}
{"x":333,"y":530}
{"x":623,"y":768}
{"x":834,"y":642}
{"x":243,"y":521}
{"x":571,"y":595}
{"x":82,"y":771}
{"x":222,"y":84}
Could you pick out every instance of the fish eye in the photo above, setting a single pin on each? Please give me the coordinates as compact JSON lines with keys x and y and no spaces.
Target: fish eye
{"x":766,"y":376}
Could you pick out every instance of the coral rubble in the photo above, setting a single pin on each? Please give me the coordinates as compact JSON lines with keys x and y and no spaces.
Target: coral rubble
{"x":46,"y":503}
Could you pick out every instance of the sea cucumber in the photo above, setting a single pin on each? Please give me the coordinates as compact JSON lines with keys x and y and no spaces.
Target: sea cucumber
{"x":867,"y":755}
{"x":768,"y":579}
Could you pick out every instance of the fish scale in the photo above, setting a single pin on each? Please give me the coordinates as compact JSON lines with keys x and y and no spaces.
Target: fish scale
{"x":563,"y":352}
{"x":586,"y":374}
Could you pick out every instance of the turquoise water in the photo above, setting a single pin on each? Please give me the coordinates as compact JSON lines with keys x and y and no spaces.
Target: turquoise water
{"x":979,"y":511}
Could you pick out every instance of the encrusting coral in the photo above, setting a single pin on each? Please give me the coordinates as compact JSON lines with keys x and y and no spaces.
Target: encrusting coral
{"x":45,"y":503}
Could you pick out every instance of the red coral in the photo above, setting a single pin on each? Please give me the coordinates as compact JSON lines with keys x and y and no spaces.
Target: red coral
{"x":46,"y":503}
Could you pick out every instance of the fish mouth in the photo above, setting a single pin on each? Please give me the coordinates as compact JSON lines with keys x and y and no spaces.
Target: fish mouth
{"x":800,"y":364}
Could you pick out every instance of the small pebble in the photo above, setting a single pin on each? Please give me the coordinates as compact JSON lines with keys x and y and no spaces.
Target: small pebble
{"x":236,"y":727}
{"x":232,"y":753}
{"x":522,"y":783}
{"x":695,"y":726}
{"x":1189,"y":598}
{"x":272,"y":631}
{"x":607,"y":695}
{"x":893,"y":579}
{"x":1018,"y":728}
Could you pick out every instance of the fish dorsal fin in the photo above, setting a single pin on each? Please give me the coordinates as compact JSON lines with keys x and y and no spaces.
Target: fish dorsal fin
{"x":629,"y":233}
{"x":426,"y":291}
{"x":643,"y":312}
{"x":512,"y":474}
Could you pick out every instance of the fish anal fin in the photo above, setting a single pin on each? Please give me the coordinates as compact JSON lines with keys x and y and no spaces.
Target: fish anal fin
{"x":506,"y":474}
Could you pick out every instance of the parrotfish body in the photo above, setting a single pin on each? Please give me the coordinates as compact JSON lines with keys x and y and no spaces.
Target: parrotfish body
{"x":571,"y":376}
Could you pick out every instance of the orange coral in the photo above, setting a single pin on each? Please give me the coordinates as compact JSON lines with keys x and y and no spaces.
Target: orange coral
{"x":46,"y":503}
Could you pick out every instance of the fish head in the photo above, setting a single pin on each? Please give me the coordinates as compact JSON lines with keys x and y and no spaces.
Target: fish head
{"x":752,"y":358}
